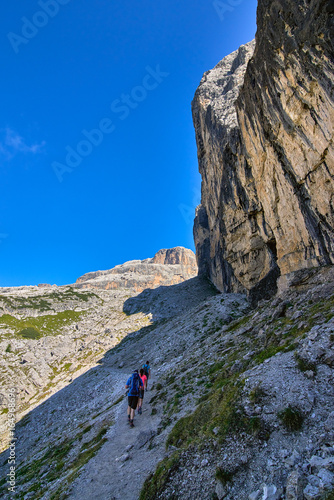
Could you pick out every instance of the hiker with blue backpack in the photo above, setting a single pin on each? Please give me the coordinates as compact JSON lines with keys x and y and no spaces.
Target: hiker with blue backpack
{"x":134,"y":384}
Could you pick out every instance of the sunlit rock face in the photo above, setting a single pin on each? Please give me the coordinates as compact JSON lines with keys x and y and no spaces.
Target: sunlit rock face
{"x":167,"y":267}
{"x":264,"y":128}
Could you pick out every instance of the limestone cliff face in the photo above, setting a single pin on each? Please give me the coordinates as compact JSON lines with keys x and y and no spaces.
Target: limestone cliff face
{"x":264,"y":129}
{"x":167,"y":267}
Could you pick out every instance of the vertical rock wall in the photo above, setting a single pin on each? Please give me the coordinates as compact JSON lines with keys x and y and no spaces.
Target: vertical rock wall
{"x":264,"y":129}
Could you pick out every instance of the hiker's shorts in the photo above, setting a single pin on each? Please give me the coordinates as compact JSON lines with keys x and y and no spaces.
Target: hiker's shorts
{"x":141,"y":393}
{"x":132,"y":402}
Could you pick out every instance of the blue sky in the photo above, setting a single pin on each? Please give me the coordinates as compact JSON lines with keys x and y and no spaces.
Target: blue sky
{"x":97,"y":148}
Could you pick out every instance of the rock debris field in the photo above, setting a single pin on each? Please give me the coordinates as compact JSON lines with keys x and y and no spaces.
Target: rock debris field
{"x":240,"y":404}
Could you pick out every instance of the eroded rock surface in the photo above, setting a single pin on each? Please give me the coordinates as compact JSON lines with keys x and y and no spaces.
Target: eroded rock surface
{"x":167,"y":267}
{"x":265,"y":146}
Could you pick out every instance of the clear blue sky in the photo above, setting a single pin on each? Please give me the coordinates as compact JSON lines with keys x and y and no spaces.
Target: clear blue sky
{"x":134,"y":191}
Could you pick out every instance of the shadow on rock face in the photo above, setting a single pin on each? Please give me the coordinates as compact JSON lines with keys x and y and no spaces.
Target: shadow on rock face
{"x":167,"y":301}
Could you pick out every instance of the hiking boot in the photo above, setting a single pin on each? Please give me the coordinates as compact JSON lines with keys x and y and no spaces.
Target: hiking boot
{"x":140,"y":411}
{"x":131,"y":423}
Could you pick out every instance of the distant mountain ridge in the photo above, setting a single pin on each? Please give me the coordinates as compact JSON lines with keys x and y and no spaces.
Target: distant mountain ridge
{"x":167,"y":267}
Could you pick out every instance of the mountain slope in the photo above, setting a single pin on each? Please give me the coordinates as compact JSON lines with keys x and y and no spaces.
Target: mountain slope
{"x":51,"y":335}
{"x":242,"y":403}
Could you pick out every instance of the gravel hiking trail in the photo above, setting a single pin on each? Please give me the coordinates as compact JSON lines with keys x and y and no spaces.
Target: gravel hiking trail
{"x":120,"y":467}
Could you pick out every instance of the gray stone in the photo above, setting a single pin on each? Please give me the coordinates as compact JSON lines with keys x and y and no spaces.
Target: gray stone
{"x":329,"y":424}
{"x":293,"y":459}
{"x":144,"y":437}
{"x":316,"y":461}
{"x":271,"y":492}
{"x":221,"y":491}
{"x":326,"y":479}
{"x":255,"y":495}
{"x":312,"y":493}
{"x":294,"y":486}
{"x":123,"y":458}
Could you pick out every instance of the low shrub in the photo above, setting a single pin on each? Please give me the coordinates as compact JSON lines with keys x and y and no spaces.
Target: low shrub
{"x":305,"y":365}
{"x":223,"y":475}
{"x":291,"y":418}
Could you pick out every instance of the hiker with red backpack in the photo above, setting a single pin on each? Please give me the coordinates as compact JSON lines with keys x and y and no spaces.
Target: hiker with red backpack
{"x":134,"y":384}
{"x":141,"y":390}
{"x":147,"y":371}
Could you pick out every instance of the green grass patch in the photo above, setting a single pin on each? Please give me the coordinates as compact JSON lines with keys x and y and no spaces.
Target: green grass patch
{"x":95,"y":440}
{"x":291,"y":418}
{"x":156,"y":482}
{"x":238,"y":323}
{"x":221,"y":409}
{"x":36,"y":327}
{"x":9,"y":348}
{"x":56,"y":458}
{"x":267,"y":353}
{"x":223,"y":475}
{"x":118,"y":401}
{"x":273,"y":349}
{"x":86,"y":429}
{"x":42,"y":303}
{"x":216,"y":367}
{"x":17,"y":303}
{"x":30,"y":333}
{"x":257,"y":394}
{"x":305,"y":365}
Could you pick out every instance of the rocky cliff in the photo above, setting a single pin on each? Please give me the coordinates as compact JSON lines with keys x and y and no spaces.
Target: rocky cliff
{"x":264,"y":129}
{"x":167,"y":267}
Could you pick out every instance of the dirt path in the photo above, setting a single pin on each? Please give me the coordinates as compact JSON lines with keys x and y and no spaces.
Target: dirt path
{"x":120,"y":467}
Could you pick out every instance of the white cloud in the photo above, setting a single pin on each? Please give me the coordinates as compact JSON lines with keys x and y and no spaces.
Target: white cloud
{"x":12,"y":143}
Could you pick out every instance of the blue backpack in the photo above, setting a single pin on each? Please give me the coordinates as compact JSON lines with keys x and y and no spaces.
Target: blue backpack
{"x":134,"y":385}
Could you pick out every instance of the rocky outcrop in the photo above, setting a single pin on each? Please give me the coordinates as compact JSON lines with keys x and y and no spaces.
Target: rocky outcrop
{"x":264,"y":130}
{"x":218,"y":143}
{"x":167,"y":267}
